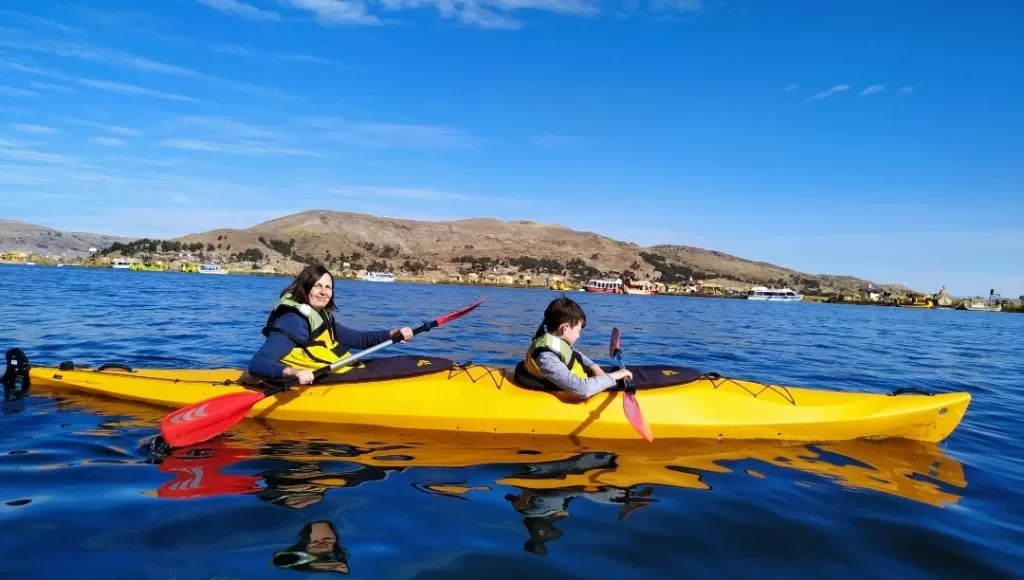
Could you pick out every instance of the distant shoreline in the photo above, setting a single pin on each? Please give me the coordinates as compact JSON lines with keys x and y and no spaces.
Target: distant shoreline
{"x":808,"y":298}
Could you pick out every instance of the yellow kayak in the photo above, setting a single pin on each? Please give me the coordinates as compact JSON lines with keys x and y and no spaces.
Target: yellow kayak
{"x":438,"y":394}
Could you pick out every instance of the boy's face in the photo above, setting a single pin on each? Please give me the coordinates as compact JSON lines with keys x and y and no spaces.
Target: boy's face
{"x":571,"y":332}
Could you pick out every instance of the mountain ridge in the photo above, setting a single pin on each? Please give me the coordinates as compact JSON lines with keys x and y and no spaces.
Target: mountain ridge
{"x":457,"y":246}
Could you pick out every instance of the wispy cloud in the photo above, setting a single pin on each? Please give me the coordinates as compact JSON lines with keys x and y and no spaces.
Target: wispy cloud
{"x":255,"y":149}
{"x":128,"y":89}
{"x":51,"y":87}
{"x":557,"y":141}
{"x":792,"y":87}
{"x":872,"y":90}
{"x":424,"y":194}
{"x":337,"y":11}
{"x":395,"y":135}
{"x":15,"y":150}
{"x":24,"y":68}
{"x":224,"y":126}
{"x":108,"y":141}
{"x":127,"y":60}
{"x":235,"y":49}
{"x":32,"y":18}
{"x":33,"y":129}
{"x":115,"y":129}
{"x":241,"y":9}
{"x":16,"y":92}
{"x":834,"y":90}
{"x":906,"y":90}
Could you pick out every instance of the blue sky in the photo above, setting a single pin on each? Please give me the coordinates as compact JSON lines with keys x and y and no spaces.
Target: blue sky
{"x":876,"y":138}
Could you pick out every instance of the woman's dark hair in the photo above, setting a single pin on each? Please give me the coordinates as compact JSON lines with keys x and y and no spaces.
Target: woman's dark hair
{"x":288,"y":557}
{"x":303,"y":283}
{"x":560,"y":311}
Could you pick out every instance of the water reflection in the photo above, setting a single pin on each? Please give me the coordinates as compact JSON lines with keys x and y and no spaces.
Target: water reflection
{"x":317,"y":550}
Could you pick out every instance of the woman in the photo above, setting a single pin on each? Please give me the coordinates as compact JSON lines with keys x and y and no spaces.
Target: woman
{"x":303,"y":336}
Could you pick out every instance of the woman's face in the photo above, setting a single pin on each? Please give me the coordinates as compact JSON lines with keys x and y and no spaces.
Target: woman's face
{"x":321,"y":292}
{"x":321,"y":539}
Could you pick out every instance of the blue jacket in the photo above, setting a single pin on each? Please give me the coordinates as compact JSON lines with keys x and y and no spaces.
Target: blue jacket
{"x":264,"y":363}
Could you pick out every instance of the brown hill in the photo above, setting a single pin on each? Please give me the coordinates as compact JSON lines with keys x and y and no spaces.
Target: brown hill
{"x":19,"y":236}
{"x":483,"y":243}
{"x":444,"y":248}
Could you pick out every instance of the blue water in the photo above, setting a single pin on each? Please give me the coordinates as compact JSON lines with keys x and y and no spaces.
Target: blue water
{"x":84,"y":494}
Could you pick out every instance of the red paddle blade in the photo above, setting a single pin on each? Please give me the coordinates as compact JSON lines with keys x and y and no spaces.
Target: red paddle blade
{"x":615,"y":342}
{"x":197,"y":473}
{"x":207,"y":419}
{"x":460,"y":313}
{"x":635,"y":417}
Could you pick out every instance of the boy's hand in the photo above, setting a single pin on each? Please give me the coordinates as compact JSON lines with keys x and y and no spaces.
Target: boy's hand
{"x":596,"y":370}
{"x":622,"y":374}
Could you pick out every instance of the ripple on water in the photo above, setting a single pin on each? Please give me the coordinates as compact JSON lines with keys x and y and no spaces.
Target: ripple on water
{"x":426,"y":507}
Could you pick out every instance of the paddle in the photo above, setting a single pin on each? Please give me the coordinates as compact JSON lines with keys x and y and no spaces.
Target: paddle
{"x":629,"y":405}
{"x":206,"y":419}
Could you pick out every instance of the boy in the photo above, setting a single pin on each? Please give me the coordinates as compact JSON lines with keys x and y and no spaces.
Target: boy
{"x":552,"y":358}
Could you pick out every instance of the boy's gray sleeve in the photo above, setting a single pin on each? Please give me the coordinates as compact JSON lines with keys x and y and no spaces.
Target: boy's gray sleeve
{"x":556,"y":372}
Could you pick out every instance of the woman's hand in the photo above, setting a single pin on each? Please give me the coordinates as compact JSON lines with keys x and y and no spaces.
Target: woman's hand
{"x":305,"y":376}
{"x":401,"y":333}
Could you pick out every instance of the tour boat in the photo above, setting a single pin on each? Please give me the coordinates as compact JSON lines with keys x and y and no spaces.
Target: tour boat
{"x":121,"y":264}
{"x":604,"y":286}
{"x":379,"y":277}
{"x":773,"y":294}
{"x":211,"y":269}
{"x":641,"y":288}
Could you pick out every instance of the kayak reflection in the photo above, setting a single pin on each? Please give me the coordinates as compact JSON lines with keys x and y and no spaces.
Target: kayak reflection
{"x":539,"y":478}
{"x":317,"y":550}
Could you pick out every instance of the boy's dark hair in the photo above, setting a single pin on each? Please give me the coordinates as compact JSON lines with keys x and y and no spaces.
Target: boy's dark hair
{"x":303,"y":283}
{"x":561,"y":311}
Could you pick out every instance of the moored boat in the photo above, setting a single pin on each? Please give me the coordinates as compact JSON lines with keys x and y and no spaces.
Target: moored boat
{"x":121,"y":264}
{"x":211,"y":269}
{"x":603,"y":286}
{"x":765,"y":294}
{"x":379,"y":277}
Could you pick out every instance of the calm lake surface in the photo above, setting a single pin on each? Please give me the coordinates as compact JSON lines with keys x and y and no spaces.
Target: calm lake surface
{"x":83,"y":495}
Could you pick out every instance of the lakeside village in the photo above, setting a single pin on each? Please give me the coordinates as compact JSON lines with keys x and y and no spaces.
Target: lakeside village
{"x":160,"y":256}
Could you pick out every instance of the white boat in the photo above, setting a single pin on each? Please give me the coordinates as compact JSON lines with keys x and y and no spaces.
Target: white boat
{"x":604,"y":286}
{"x":121,"y":264}
{"x":641,"y":288}
{"x":211,"y":269}
{"x":379,"y":277}
{"x":773,"y":294}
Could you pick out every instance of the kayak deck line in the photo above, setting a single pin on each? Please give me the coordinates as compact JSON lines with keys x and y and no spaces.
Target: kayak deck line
{"x":439,"y":394}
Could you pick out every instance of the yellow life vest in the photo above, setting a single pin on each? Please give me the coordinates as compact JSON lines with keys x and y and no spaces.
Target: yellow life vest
{"x":320,"y":349}
{"x":566,"y":353}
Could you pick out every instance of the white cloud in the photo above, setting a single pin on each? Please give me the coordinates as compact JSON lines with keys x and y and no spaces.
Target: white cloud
{"x":792,"y":87}
{"x":906,"y":90}
{"x":834,"y":90}
{"x":410,"y":193}
{"x":240,"y":9}
{"x":115,"y":129}
{"x":127,"y":60}
{"x":397,"y":135}
{"x":108,"y":141}
{"x":256,"y":149}
{"x":14,"y":150}
{"x":127,"y":89}
{"x":51,"y":87}
{"x":42,"y":21}
{"x":33,"y":129}
{"x":16,"y":92}
{"x":872,"y":90}
{"x":337,"y":11}
{"x":225,"y":126}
